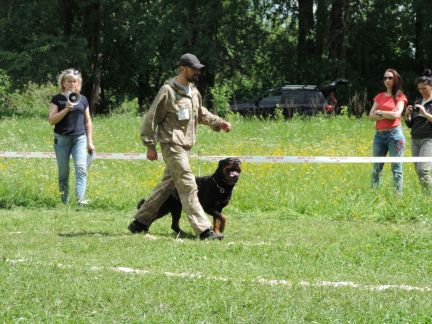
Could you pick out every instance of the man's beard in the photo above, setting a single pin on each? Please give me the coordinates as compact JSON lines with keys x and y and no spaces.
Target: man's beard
{"x":194,"y":78}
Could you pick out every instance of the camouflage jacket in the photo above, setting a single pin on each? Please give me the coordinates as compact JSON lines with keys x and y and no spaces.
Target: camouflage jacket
{"x":173,"y":117}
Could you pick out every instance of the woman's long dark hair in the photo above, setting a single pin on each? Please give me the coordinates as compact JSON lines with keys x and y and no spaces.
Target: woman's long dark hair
{"x":426,"y":77}
{"x":397,"y":84}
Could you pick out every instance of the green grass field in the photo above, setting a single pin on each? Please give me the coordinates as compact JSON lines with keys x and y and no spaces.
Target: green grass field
{"x":303,"y":243}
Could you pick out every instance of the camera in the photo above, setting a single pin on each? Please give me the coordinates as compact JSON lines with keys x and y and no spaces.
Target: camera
{"x":73,"y":98}
{"x":414,"y":107}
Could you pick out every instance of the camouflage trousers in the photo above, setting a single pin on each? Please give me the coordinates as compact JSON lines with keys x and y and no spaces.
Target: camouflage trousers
{"x":178,"y":174}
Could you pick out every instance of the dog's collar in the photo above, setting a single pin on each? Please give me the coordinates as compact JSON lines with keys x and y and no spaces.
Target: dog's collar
{"x":221,"y":190}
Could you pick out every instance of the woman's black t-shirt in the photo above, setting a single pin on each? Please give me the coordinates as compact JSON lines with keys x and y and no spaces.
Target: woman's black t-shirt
{"x":420,"y":126}
{"x":73,"y":122}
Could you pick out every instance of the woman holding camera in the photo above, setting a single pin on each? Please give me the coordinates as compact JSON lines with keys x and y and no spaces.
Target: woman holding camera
{"x":418,"y":117}
{"x":73,"y":133}
{"x":386,"y":112}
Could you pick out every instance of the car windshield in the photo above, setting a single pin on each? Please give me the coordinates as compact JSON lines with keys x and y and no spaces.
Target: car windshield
{"x":271,"y":97}
{"x":303,"y":97}
{"x":314,"y":98}
{"x":294,"y":97}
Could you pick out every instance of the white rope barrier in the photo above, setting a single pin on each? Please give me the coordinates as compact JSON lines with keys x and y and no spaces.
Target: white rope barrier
{"x":27,"y":155}
{"x":320,"y":159}
{"x":253,"y":159}
{"x":51,"y":155}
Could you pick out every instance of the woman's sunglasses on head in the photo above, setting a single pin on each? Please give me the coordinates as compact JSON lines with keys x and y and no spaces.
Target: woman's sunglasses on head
{"x":72,"y":72}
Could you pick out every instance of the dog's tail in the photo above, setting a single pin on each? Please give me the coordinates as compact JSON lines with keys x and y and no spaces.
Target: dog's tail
{"x":140,"y":203}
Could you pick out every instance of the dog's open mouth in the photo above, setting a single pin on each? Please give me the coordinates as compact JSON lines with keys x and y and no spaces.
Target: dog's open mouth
{"x":232,"y":177}
{"x":234,"y":174}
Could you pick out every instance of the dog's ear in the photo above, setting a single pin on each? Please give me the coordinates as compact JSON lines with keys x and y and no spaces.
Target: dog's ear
{"x":224,"y":162}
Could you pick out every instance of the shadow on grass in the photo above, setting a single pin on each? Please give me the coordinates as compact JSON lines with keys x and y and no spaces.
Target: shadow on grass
{"x":78,"y":234}
{"x":109,"y":234}
{"x":182,"y":235}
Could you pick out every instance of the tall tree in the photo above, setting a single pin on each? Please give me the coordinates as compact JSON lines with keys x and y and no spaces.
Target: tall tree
{"x":428,"y":36}
{"x":305,"y":42}
{"x":337,"y":45}
{"x":67,"y":10}
{"x":92,"y":13}
{"x":322,"y":24}
{"x":421,"y":28}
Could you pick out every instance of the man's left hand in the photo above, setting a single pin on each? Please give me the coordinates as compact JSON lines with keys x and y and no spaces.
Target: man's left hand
{"x":226,"y":126}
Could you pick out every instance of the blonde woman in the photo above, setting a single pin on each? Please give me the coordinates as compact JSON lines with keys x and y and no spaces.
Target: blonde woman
{"x":73,"y":133}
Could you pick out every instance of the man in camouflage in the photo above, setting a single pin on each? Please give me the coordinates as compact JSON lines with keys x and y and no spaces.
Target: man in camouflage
{"x":172,"y":121}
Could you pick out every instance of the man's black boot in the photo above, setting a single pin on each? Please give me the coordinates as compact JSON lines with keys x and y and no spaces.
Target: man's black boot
{"x":208,"y":234}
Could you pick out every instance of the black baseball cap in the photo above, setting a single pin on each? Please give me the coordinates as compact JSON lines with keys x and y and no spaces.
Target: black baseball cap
{"x":191,"y":61}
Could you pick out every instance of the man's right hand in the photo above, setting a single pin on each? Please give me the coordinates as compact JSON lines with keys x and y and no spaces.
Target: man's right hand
{"x":226,"y":126}
{"x":152,"y":154}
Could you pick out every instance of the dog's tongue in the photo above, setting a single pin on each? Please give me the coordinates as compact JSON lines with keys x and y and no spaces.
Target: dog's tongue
{"x":234,"y":174}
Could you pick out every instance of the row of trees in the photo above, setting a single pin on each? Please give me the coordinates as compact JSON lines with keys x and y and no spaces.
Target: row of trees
{"x":126,"y":48}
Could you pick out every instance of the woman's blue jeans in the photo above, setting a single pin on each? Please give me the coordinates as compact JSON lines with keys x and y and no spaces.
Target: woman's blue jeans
{"x":64,"y":147}
{"x":392,"y":142}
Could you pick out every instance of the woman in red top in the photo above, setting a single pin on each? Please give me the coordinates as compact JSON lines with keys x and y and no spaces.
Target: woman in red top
{"x":386,"y":111}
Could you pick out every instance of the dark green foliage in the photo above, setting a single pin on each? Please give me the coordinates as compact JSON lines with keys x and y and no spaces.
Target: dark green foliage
{"x":126,"y":49}
{"x":4,"y":89}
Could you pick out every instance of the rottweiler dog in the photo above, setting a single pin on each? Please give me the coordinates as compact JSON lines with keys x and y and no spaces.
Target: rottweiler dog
{"x":214,"y":194}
